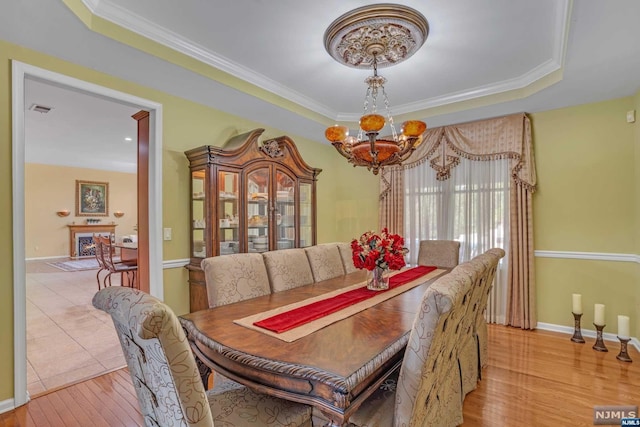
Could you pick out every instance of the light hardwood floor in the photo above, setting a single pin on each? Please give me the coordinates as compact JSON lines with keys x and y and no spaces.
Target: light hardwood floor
{"x":68,"y":340}
{"x":534,"y":378}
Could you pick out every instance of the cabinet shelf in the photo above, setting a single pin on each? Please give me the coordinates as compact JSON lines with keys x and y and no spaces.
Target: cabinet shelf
{"x":235,"y":181}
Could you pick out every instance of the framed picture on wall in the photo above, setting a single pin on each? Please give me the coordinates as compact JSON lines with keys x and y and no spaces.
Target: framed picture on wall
{"x":92,"y":198}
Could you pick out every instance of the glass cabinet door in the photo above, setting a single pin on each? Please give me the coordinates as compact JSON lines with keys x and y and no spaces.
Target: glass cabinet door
{"x":198,"y":207}
{"x":258,"y":210}
{"x":228,"y":212}
{"x":306,"y":215}
{"x":285,"y":211}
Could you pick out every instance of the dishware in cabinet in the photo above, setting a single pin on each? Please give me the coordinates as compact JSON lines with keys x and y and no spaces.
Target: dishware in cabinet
{"x":248,"y":196}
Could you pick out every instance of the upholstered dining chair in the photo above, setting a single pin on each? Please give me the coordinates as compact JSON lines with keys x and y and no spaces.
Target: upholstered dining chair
{"x":468,"y":358}
{"x":166,"y":378}
{"x":491,"y":260}
{"x":439,"y":253}
{"x":325,"y":261}
{"x":427,"y":389}
{"x":235,"y":277}
{"x":347,"y":257}
{"x":232,"y":278}
{"x":287,"y":269}
{"x":115,"y":266}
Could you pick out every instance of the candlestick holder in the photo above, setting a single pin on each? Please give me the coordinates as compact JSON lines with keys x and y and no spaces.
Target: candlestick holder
{"x":577,"y":334}
{"x":599,"y":345}
{"x":623,"y":355}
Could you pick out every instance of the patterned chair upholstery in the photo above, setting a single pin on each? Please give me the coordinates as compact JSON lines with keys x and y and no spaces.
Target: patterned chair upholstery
{"x":236,"y":277}
{"x":439,"y":253}
{"x":491,"y":262}
{"x":428,"y":390}
{"x":287,"y":269}
{"x":347,"y":257}
{"x":325,"y":261}
{"x":164,"y":372}
{"x":232,"y":278}
{"x":468,"y":354}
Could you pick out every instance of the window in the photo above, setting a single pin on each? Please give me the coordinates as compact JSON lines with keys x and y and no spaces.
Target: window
{"x":472,"y":207}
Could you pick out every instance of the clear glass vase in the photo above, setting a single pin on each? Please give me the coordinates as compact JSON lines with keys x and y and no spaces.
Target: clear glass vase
{"x":378,"y":279}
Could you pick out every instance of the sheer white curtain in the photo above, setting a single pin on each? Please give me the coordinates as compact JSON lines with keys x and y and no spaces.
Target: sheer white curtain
{"x":472,"y":206}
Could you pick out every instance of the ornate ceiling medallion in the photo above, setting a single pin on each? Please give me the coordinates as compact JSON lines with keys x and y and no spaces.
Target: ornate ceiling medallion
{"x":386,"y":33}
{"x":371,"y":37}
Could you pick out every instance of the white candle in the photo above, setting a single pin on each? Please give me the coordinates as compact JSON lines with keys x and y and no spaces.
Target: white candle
{"x":577,"y":303}
{"x":623,"y":327}
{"x":598,"y":317}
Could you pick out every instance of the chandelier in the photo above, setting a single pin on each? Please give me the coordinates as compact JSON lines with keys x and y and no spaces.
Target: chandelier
{"x":369,"y":37}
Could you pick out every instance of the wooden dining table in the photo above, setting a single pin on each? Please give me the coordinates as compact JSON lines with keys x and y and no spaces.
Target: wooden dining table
{"x":333,"y":369}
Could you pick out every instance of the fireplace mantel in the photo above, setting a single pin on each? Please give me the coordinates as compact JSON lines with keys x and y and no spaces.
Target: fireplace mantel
{"x":75,"y":229}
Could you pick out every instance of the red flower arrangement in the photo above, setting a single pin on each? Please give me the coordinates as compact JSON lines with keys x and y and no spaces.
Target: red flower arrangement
{"x":385,"y":251}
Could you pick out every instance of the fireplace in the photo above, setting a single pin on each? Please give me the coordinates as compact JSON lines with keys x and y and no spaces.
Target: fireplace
{"x":84,"y":243}
{"x":80,"y":237}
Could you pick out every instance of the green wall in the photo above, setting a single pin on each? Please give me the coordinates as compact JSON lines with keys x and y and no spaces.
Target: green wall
{"x":587,"y":201}
{"x":185,"y":125}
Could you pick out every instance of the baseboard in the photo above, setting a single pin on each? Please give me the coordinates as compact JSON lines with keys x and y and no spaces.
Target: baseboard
{"x":47,"y":258}
{"x":172,"y":263}
{"x":7,"y":405}
{"x":587,"y":333}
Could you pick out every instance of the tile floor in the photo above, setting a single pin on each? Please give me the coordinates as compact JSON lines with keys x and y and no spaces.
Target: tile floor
{"x":68,"y":340}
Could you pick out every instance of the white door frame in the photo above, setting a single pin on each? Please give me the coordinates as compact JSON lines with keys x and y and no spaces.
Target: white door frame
{"x":21,"y":71}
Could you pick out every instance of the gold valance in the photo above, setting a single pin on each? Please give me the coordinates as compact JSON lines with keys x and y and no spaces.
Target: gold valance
{"x":507,"y":137}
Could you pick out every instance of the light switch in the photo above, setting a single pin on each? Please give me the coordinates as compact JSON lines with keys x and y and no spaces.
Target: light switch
{"x":167,"y":234}
{"x":631,"y":116}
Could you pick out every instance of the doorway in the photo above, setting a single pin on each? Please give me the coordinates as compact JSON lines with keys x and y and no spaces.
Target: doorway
{"x":20,"y":73}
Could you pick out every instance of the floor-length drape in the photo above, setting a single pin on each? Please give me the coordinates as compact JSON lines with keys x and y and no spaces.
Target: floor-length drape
{"x":442,"y":149}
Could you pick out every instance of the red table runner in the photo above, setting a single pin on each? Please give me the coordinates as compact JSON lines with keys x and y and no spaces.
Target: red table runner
{"x":299,"y":316}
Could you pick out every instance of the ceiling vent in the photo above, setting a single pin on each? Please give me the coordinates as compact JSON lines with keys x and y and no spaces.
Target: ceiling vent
{"x":40,"y":108}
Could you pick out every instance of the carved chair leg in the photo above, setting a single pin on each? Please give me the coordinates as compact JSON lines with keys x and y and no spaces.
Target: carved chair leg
{"x":204,"y":371}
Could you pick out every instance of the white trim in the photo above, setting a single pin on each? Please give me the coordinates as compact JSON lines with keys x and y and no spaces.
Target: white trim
{"x":586,"y":333}
{"x":597,"y":256}
{"x":112,"y":12}
{"x":7,"y":405}
{"x":166,"y":264}
{"x":175,"y":263}
{"x":21,"y":71}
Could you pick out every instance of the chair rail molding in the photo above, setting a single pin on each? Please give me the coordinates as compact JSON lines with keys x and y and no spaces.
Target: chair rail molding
{"x":596,"y":256}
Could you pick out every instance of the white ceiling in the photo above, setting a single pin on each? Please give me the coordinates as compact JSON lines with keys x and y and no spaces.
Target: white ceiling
{"x":505,"y":56}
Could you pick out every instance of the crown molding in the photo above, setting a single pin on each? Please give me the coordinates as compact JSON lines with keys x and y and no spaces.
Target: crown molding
{"x":107,"y":10}
{"x":142,"y":26}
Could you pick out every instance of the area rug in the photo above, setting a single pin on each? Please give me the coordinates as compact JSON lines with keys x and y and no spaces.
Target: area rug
{"x":76,"y":265}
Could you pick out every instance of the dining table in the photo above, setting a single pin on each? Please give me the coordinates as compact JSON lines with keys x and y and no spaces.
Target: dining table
{"x":334,"y":368}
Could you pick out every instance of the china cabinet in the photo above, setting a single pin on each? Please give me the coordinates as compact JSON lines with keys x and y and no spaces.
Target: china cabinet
{"x":248,"y":196}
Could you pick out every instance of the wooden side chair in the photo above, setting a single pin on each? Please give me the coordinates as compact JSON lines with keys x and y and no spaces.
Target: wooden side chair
{"x":439,"y":253}
{"x":114,"y":265}
{"x":166,"y":378}
{"x":97,"y":250}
